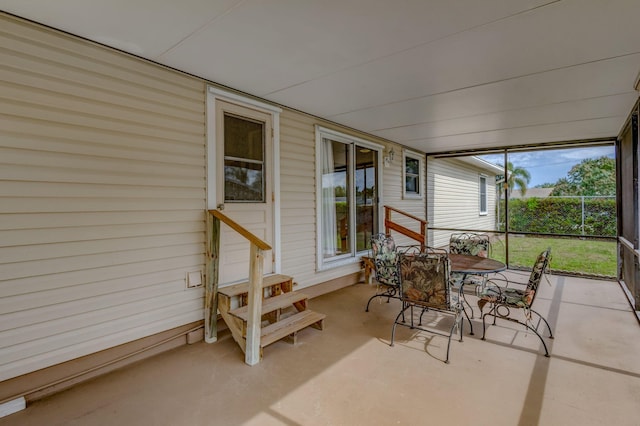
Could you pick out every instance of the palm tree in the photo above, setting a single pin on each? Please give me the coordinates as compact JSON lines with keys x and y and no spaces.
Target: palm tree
{"x":517,"y":177}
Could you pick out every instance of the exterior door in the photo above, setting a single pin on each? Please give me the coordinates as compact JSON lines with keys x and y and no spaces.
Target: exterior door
{"x":243,"y":185}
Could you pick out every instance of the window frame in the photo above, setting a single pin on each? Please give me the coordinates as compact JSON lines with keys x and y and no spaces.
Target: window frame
{"x":353,"y":256}
{"x":482,"y":177}
{"x":414,"y":156}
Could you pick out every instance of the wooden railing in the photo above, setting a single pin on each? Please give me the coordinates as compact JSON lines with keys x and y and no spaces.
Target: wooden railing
{"x":391,"y":225}
{"x":256,"y":264}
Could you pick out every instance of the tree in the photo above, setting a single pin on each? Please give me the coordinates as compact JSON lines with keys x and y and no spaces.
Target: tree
{"x":545,"y":185}
{"x":517,"y":176}
{"x":591,"y":177}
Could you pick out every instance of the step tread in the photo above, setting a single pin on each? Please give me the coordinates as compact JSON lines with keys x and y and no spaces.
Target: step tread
{"x":271,"y":304}
{"x":276,"y":331}
{"x":243,"y":287}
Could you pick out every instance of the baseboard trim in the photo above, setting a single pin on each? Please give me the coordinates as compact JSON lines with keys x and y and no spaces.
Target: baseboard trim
{"x":332,"y":285}
{"x":47,"y":381}
{"x":12,"y":406}
{"x":50,"y":380}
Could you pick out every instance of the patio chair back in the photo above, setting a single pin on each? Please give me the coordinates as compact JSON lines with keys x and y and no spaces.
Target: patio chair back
{"x":469,"y":243}
{"x":425,"y":285}
{"x":504,"y":299}
{"x":425,"y":279}
{"x":539,"y":268}
{"x":385,"y":259}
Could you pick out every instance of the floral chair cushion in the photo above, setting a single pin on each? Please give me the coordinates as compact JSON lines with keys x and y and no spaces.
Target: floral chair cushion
{"x":425,"y":280}
{"x":471,"y":244}
{"x":385,"y":259}
{"x":518,"y":298}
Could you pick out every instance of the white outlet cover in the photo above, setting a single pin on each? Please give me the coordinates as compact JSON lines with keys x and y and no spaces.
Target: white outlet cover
{"x":194,"y":279}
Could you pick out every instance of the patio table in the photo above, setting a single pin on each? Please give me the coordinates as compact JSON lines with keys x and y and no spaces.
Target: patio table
{"x":473,"y":265}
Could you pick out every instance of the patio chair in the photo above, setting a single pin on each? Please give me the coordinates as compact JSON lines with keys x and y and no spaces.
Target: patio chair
{"x":471,"y":244}
{"x":385,"y":260}
{"x":474,"y":245}
{"x":425,"y":285}
{"x":505,"y":299}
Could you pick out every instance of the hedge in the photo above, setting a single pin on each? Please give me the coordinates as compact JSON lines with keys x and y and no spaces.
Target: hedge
{"x":556,"y":215}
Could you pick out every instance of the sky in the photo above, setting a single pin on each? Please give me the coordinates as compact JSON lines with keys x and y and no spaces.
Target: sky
{"x":548,"y":166}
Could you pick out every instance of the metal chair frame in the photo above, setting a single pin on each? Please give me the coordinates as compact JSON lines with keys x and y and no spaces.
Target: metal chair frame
{"x":502,"y":310}
{"x":470,"y":238}
{"x":431,"y":257}
{"x":390,"y":287}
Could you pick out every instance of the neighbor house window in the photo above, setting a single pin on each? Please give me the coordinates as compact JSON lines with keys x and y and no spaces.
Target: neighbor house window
{"x":411,"y":175}
{"x":483,"y":195}
{"x":348,"y":191}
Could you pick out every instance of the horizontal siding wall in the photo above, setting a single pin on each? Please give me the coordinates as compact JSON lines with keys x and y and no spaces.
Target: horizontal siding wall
{"x":393,"y":187}
{"x":454,"y":198}
{"x":298,"y":197}
{"x":102,"y":197}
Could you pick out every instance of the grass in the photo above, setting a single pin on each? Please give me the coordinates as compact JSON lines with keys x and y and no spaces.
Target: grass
{"x":573,"y":255}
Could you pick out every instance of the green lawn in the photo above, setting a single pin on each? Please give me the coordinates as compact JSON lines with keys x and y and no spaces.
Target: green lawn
{"x":571,"y":255}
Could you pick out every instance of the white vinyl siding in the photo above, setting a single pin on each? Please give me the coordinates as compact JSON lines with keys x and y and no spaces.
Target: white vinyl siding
{"x":393,"y":186}
{"x":454,"y":198}
{"x":102,"y":197}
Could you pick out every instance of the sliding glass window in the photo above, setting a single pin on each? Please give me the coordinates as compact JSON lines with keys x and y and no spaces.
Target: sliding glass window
{"x":348,"y":199}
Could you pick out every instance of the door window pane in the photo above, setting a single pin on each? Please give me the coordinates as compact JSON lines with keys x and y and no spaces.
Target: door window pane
{"x":243,"y":159}
{"x":336,"y":201}
{"x":348,"y":199}
{"x":366,"y":196}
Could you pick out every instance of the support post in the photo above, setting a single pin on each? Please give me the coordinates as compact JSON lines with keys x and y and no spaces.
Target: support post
{"x":211,"y":289}
{"x":256,"y":265}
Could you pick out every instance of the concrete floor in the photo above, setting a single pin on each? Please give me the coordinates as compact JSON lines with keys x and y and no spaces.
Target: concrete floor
{"x":349,"y":375}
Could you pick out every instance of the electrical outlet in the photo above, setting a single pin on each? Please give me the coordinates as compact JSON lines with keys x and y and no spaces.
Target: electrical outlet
{"x":194,"y":279}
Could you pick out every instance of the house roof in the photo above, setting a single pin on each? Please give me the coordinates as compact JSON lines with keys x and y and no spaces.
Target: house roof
{"x":491,"y":168}
{"x":531,"y":192}
{"x":435,"y":76}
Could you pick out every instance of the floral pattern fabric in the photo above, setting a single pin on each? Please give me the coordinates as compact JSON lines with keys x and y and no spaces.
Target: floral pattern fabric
{"x":425,"y":280}
{"x":518,"y":298}
{"x":474,"y":245}
{"x":385,"y":259}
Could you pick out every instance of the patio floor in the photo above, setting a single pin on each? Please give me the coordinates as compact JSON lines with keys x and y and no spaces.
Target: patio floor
{"x":349,"y":375}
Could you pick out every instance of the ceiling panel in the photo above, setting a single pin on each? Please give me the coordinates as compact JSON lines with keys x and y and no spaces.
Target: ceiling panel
{"x":564,"y":112}
{"x":541,"y":40}
{"x":142,"y":27}
{"x":435,"y":75}
{"x":265,"y":47}
{"x":576,"y":130}
{"x":602,"y":78}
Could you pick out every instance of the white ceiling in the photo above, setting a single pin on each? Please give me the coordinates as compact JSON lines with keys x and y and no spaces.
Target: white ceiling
{"x":436,"y":75}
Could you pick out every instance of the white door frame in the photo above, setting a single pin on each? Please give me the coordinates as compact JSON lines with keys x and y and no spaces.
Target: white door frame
{"x":214,"y":94}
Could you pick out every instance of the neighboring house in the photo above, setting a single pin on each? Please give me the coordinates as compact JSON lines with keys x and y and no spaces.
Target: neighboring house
{"x":463,"y":191}
{"x":109,"y":163}
{"x":531,"y":193}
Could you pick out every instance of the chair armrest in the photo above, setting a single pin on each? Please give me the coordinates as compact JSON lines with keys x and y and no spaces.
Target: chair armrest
{"x":501,"y":280}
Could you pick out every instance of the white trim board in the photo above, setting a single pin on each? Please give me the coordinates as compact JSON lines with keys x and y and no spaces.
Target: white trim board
{"x":12,"y":406}
{"x":214,"y":94}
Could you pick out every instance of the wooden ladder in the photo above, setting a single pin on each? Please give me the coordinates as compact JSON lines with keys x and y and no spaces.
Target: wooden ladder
{"x":284,"y":311}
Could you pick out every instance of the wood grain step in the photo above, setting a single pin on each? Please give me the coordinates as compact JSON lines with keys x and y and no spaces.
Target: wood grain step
{"x":276,"y":331}
{"x":271,"y":304}
{"x":243,"y":287}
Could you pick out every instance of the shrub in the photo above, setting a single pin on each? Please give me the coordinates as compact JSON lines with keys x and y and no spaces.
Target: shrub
{"x":557,"y":215}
